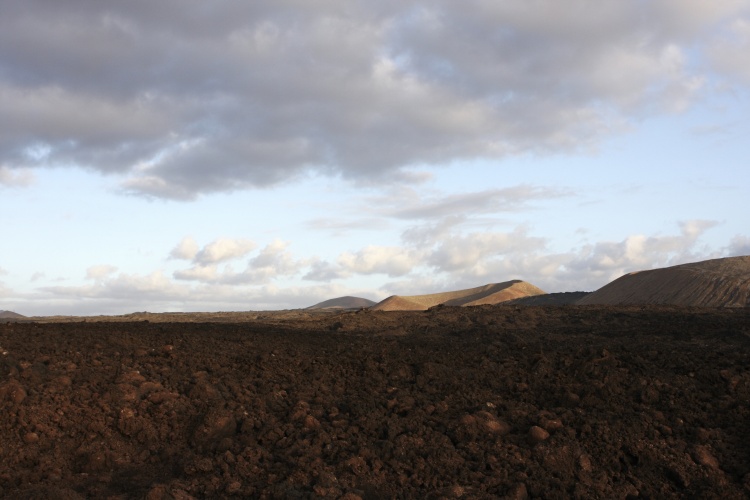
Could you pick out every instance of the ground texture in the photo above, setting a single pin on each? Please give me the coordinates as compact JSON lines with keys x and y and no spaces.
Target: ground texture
{"x":481,"y":402}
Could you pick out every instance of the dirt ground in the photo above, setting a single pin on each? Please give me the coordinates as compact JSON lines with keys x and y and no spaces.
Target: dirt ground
{"x":482,"y":402}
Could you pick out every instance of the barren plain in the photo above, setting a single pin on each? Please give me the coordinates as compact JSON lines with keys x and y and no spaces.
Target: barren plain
{"x":454,"y":402}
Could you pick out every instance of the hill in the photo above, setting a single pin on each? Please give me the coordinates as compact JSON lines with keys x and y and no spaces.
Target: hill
{"x":710,"y":283}
{"x":10,"y":315}
{"x":343,"y":303}
{"x":493,"y":293}
{"x":548,"y":299}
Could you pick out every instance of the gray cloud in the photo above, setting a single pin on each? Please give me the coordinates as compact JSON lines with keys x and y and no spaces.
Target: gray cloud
{"x":408,"y":204}
{"x":341,"y":226}
{"x":183,"y":98}
{"x":323,"y":271}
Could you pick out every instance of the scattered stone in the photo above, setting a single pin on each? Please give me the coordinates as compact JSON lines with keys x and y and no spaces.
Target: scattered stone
{"x":703,"y":456}
{"x":538,"y":434}
{"x":518,"y":492}
{"x":132,"y":377}
{"x":30,"y":438}
{"x":584,"y":462}
{"x":233,"y":488}
{"x":550,"y":424}
{"x":311,"y":422}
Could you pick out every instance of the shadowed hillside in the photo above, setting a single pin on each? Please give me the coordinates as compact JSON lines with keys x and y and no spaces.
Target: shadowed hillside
{"x":343,"y":303}
{"x":710,"y":283}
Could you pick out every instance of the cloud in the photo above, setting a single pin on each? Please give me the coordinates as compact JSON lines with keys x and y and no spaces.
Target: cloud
{"x":221,"y":250}
{"x":463,"y":260}
{"x":15,"y":178}
{"x":178,"y":100}
{"x":207,"y":274}
{"x":99,"y":272}
{"x":449,"y":258}
{"x":155,"y":292}
{"x":186,"y":249}
{"x":373,"y":259}
{"x":468,"y":254}
{"x":338,"y":227}
{"x":739,"y":246}
{"x":272,"y":262}
{"x":407,"y":204}
{"x":728,"y":54}
{"x":324,"y":271}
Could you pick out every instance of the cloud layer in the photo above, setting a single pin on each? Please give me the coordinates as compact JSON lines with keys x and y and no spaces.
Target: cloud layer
{"x":182,"y":98}
{"x":451,"y":259}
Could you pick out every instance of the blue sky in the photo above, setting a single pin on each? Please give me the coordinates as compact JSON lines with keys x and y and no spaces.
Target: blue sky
{"x":278,"y":154}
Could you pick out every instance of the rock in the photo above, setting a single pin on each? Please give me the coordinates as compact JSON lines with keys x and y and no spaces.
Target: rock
{"x":703,"y":456}
{"x":537,"y":434}
{"x":233,"y":487}
{"x":550,"y":424}
{"x":584,"y":462}
{"x":30,"y":438}
{"x":518,"y":492}
{"x":132,"y":377}
{"x":217,"y":425}
{"x":311,"y":422}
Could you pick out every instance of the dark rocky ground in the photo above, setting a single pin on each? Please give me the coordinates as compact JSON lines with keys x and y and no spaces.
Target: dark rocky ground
{"x":485,"y":402}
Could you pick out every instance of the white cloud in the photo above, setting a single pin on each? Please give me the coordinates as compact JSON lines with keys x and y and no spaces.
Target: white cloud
{"x":373,"y":259}
{"x":222,"y":250}
{"x":155,"y":292}
{"x":272,"y":262}
{"x":99,"y":272}
{"x":452,"y":259}
{"x":186,"y":249}
{"x":463,"y":260}
{"x":207,"y":274}
{"x":468,"y":254}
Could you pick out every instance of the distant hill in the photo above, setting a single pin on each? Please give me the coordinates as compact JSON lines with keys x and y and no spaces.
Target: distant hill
{"x":10,"y":315}
{"x":344,"y":303}
{"x":493,"y":293}
{"x":709,"y":283}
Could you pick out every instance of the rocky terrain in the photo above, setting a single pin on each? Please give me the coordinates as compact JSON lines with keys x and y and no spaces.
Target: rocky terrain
{"x":453,"y":402}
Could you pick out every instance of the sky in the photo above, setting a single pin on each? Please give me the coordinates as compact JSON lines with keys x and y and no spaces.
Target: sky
{"x":227,"y":156}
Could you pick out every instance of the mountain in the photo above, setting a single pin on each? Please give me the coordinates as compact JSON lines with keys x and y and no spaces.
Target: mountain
{"x":493,"y":293}
{"x":10,"y":315}
{"x":344,"y":303}
{"x":710,"y":283}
